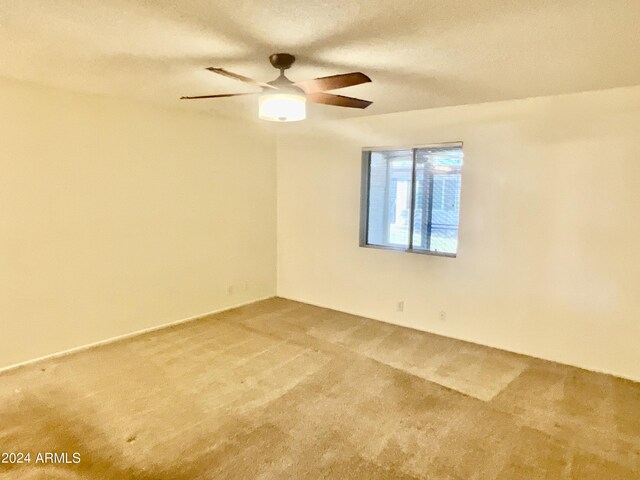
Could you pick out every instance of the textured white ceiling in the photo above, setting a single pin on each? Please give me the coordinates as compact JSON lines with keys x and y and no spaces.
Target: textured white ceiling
{"x":420,"y":54}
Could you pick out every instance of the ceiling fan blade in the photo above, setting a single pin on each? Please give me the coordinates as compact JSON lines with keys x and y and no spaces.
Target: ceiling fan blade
{"x":242,"y":78}
{"x":219,"y":96}
{"x":337,"y":100}
{"x":333,"y":82}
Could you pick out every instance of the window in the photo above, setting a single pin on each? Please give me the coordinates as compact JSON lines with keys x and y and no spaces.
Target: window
{"x":411,"y":198}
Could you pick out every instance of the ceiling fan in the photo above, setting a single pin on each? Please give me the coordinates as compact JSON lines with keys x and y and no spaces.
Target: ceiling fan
{"x":282,"y":100}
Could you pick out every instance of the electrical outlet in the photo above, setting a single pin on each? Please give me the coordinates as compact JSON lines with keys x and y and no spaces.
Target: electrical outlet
{"x":400,"y":306}
{"x":237,"y":287}
{"x":443,"y":316}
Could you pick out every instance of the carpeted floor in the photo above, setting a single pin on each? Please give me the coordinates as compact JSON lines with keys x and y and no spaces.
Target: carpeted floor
{"x":284,"y":390}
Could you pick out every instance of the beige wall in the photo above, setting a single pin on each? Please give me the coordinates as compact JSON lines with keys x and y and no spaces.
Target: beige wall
{"x":549,"y":252}
{"x":116,"y":217}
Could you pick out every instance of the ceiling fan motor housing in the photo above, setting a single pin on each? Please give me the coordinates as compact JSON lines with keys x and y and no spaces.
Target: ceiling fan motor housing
{"x":282,"y":61}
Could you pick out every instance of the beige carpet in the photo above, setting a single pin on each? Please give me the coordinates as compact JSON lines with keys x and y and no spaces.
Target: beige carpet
{"x":284,"y":390}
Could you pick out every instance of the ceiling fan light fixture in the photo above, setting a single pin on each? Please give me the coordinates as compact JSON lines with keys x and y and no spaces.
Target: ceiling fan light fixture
{"x":282,"y":100}
{"x":282,"y":106}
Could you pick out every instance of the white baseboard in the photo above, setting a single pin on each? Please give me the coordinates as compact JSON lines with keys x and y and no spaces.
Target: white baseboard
{"x":127,"y":335}
{"x":470,"y":340}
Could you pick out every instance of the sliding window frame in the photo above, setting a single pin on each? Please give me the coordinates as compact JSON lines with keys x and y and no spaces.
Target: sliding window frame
{"x":364,"y":199}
